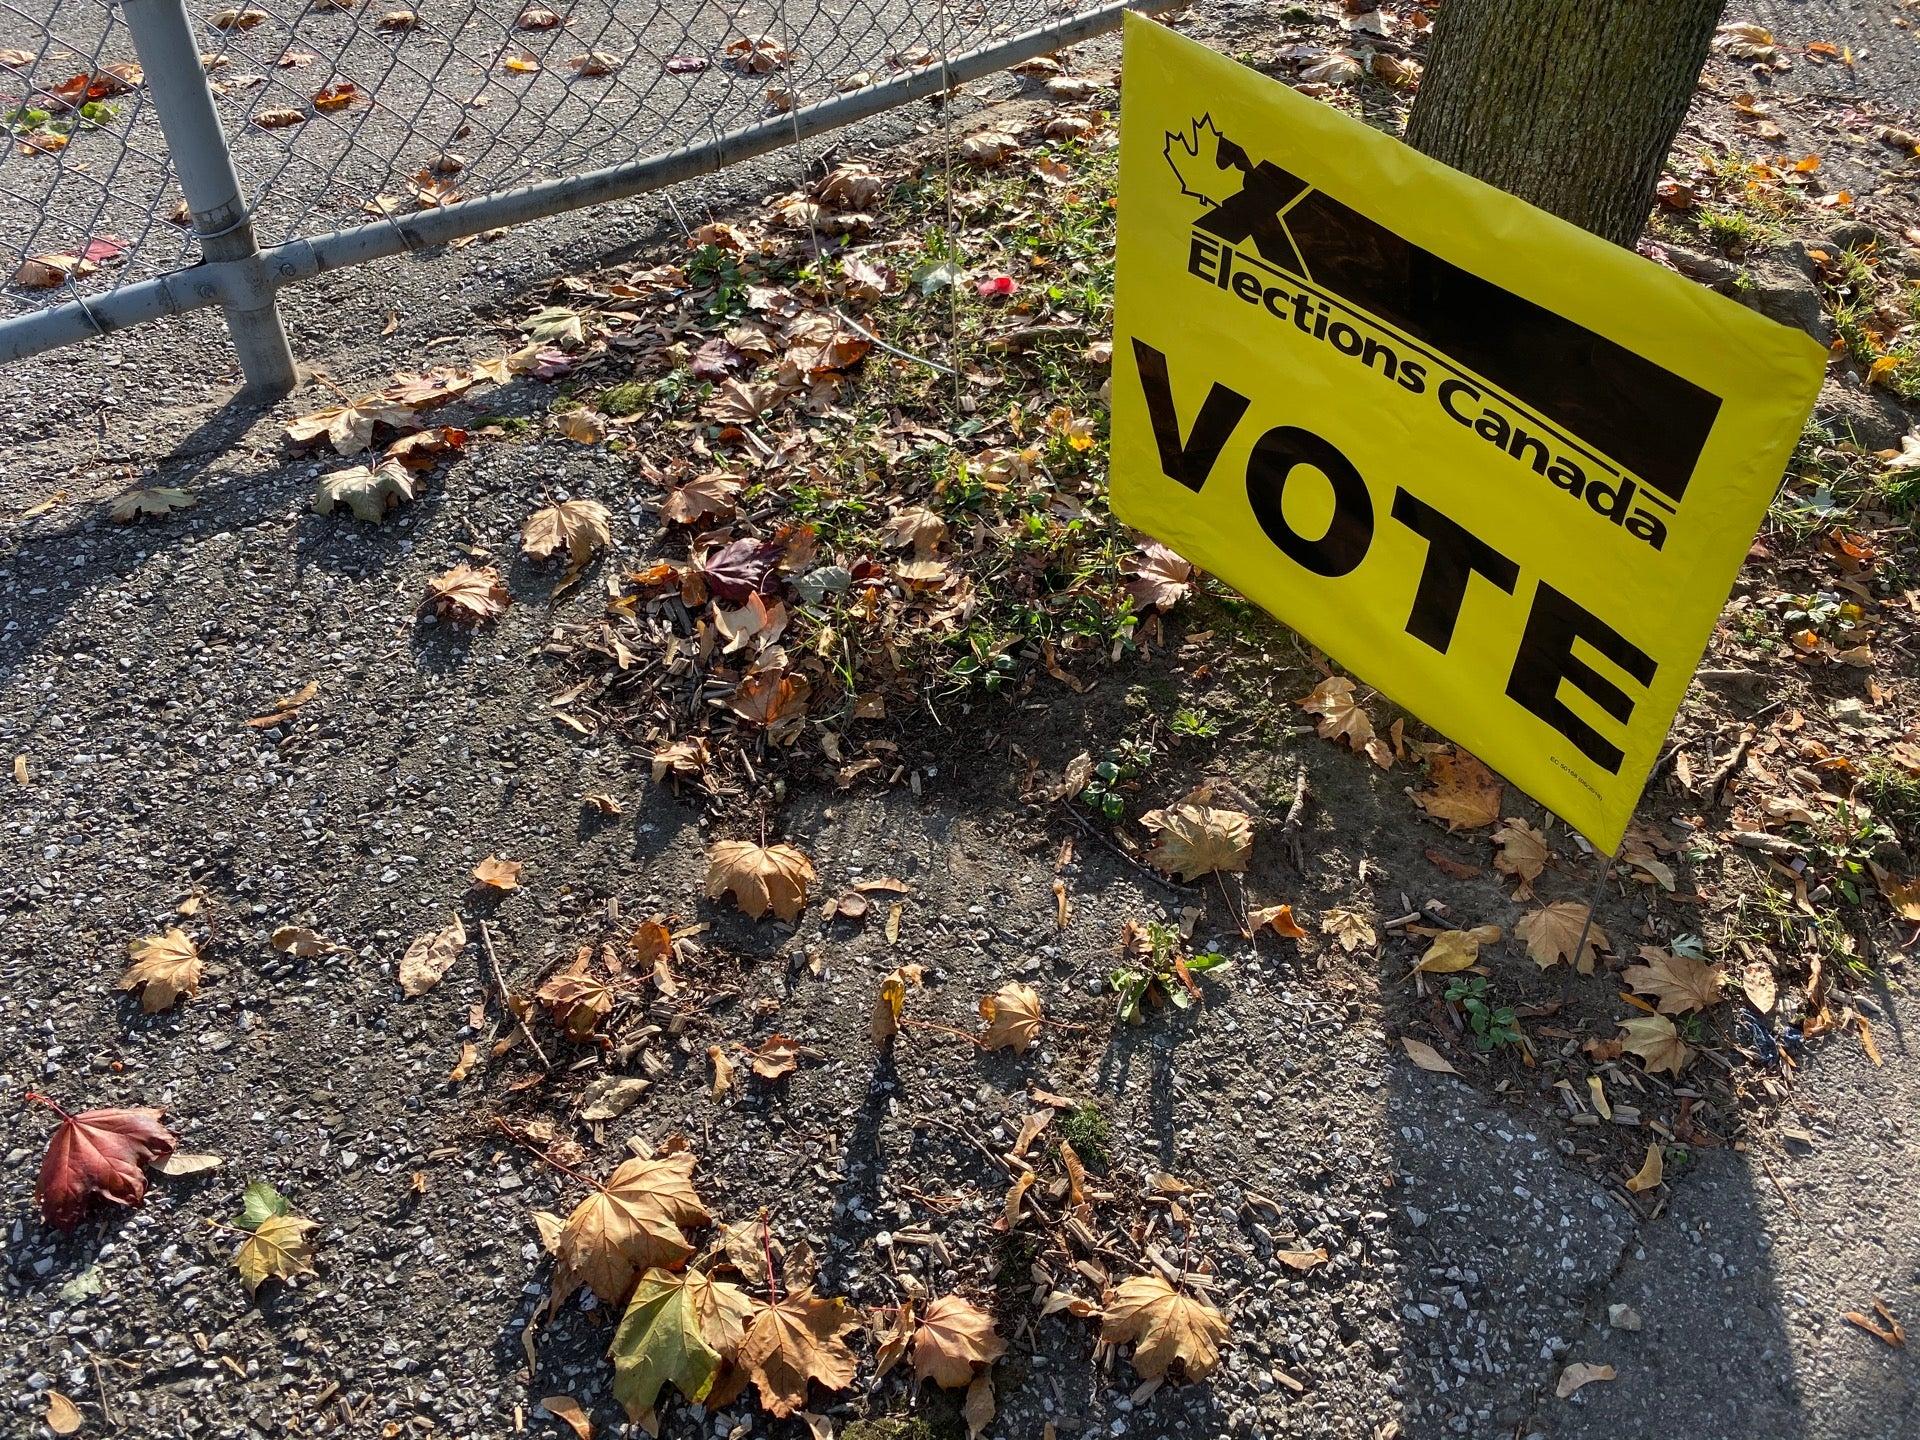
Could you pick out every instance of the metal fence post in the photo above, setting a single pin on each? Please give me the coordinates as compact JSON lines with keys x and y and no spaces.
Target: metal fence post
{"x":183,"y":104}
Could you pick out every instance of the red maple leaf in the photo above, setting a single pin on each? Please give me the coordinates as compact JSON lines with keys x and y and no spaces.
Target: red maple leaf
{"x":97,"y":1152}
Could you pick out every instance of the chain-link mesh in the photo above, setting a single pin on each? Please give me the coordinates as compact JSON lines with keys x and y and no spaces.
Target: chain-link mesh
{"x":337,"y":112}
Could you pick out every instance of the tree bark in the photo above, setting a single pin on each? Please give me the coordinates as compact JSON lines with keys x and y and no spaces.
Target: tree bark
{"x":1569,"y":104}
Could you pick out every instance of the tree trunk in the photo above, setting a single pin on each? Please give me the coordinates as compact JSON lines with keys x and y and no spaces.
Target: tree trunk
{"x":1569,"y":104}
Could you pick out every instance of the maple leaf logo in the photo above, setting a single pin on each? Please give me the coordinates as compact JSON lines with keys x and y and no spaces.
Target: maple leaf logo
{"x":1205,"y":162}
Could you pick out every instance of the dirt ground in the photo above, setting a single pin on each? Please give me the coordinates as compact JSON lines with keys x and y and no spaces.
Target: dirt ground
{"x":1478,"y":1236}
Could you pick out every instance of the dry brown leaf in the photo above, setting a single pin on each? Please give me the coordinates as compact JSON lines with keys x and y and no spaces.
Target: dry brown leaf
{"x":1678,"y":983}
{"x":722,"y":1070}
{"x":165,"y":969}
{"x":1013,"y":1018}
{"x":955,"y":1339}
{"x":429,"y":957}
{"x":630,"y":1224}
{"x":1520,"y":851}
{"x":1349,"y":929}
{"x":759,"y":877}
{"x":1578,"y":1374}
{"x":1279,"y":919}
{"x":63,"y":1416}
{"x":582,"y":528}
{"x":1197,"y":840}
{"x":468,"y":594}
{"x":687,"y":759}
{"x":571,"y":1413}
{"x":795,"y":1342}
{"x":1157,"y":578}
{"x":1165,"y":1327}
{"x":302,"y":942}
{"x":777,"y":1057}
{"x":713,"y":496}
{"x":1654,"y":1039}
{"x":1465,"y":793}
{"x":1652,"y":1169}
{"x":577,"y":1000}
{"x":1892,"y":1333}
{"x":1426,"y":1057}
{"x":920,"y":529}
{"x":1551,"y":933}
{"x":1341,"y":718}
{"x":497,"y":874}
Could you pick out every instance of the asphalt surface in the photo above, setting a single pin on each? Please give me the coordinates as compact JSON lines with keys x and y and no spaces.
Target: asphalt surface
{"x":1473,"y":1262}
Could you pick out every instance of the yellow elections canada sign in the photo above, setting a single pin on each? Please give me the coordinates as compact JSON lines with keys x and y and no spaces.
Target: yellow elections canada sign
{"x":1503,"y":470}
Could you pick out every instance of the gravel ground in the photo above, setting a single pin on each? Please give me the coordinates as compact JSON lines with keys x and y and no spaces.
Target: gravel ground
{"x":1471,"y":1254}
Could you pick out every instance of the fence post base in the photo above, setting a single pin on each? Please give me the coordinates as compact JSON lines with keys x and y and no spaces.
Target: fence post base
{"x":183,"y":104}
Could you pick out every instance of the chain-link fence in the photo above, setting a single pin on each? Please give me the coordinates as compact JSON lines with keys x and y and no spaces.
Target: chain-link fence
{"x":163,"y":156}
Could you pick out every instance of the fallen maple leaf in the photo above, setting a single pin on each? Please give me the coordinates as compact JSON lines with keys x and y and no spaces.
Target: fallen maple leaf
{"x":1013,"y":1018}
{"x":1341,"y":718}
{"x":1465,"y":793}
{"x":956,"y":1338}
{"x":1678,"y":983}
{"x":759,"y":877}
{"x":468,"y":594}
{"x":164,"y":969}
{"x":713,"y":496}
{"x":1158,"y":578}
{"x":577,"y":1000}
{"x":1655,"y":1040}
{"x":369,"y":492}
{"x":278,"y":1248}
{"x":631,"y":1223}
{"x":582,"y":528}
{"x":302,"y":942}
{"x":739,"y":568}
{"x":1552,"y":932}
{"x":97,"y":1153}
{"x":678,"y":1329}
{"x":154,"y":500}
{"x":497,"y":874}
{"x":349,"y":427}
{"x":429,"y":957}
{"x":795,"y":1341}
{"x":917,"y":528}
{"x":1520,"y":851}
{"x":1350,"y":930}
{"x":1197,"y":840}
{"x":777,"y":1057}
{"x":1166,"y":1328}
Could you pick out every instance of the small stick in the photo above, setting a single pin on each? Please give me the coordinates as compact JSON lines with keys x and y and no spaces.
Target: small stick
{"x":1593,"y":904}
{"x":100,"y":1385}
{"x":1296,"y":814}
{"x":1718,"y":782}
{"x":506,"y":998}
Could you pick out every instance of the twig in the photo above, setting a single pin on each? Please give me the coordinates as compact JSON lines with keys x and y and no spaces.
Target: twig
{"x":1765,"y":1165}
{"x":1296,"y":814}
{"x":1718,"y":781}
{"x":565,"y":1169}
{"x":100,"y":1385}
{"x":506,"y":997}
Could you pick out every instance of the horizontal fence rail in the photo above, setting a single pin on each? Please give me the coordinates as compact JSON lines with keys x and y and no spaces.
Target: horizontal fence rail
{"x":164,"y":157}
